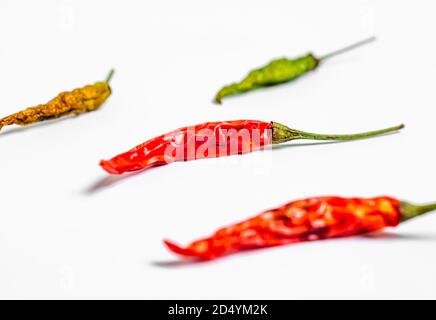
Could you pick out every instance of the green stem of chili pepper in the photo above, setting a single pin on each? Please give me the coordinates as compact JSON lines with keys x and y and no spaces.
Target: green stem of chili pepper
{"x":409,"y":210}
{"x":109,"y":76}
{"x":347,"y":48}
{"x":282,"y":133}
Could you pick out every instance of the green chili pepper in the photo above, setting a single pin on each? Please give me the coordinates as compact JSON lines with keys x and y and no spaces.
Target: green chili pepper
{"x":279,"y":71}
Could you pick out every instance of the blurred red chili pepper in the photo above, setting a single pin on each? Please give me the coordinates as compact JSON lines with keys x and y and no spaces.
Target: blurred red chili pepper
{"x":304,"y":220}
{"x":215,"y":139}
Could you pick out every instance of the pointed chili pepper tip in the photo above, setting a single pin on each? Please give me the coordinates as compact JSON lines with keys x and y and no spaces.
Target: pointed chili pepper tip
{"x":176,"y":248}
{"x":108,"y":167}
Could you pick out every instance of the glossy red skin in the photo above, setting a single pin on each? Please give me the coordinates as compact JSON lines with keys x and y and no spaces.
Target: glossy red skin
{"x":206,"y":140}
{"x":302,"y":220}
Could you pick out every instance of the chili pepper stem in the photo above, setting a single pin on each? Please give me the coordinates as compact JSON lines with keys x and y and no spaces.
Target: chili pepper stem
{"x":109,"y":76}
{"x":282,"y":133}
{"x":409,"y":210}
{"x":347,"y":48}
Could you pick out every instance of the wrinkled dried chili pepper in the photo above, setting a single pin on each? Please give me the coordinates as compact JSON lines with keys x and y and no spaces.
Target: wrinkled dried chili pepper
{"x":215,"y":139}
{"x":304,"y":220}
{"x":280,"y":71}
{"x":80,"y":100}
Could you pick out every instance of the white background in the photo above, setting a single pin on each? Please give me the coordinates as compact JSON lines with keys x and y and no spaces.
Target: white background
{"x":67,"y":230}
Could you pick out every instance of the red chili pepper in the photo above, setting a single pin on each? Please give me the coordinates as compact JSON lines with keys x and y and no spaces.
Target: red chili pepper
{"x":304,"y":220}
{"x":215,"y":139}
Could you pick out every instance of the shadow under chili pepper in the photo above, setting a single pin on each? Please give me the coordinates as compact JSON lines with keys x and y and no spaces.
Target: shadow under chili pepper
{"x":383,"y":235}
{"x":109,"y":181}
{"x":112,"y":180}
{"x":187,"y":261}
{"x":18,"y":129}
{"x":399,"y":236}
{"x":304,"y":144}
{"x":179,"y":263}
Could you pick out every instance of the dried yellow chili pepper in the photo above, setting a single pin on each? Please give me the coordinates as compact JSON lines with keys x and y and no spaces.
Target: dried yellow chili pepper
{"x":80,"y":100}
{"x":280,"y":71}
